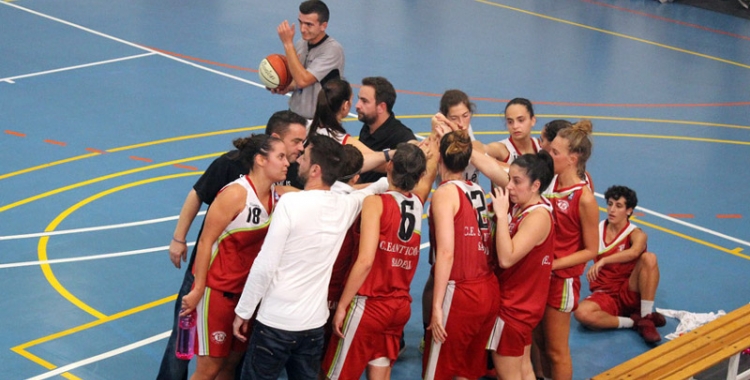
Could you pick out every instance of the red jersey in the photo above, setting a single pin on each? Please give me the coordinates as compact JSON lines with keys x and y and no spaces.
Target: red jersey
{"x":234,"y":252}
{"x":471,"y":255}
{"x":568,"y":235}
{"x":524,"y":286}
{"x":398,"y":247}
{"x":344,"y":261}
{"x":611,"y":276}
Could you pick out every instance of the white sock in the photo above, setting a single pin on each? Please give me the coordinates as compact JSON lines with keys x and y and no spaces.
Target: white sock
{"x":646,"y":307}
{"x":624,"y":323}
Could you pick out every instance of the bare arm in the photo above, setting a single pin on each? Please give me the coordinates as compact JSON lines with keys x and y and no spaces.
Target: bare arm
{"x":302,"y":77}
{"x":493,"y":169}
{"x":372,"y":209}
{"x":497,"y":150}
{"x":532,"y":231}
{"x":178,"y":249}
{"x":444,"y":208}
{"x":589,"y":212}
{"x":638,"y":240}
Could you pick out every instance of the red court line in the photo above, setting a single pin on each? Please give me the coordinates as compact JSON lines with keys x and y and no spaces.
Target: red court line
{"x":14,"y":133}
{"x":668,"y":20}
{"x":682,"y":216}
{"x":94,"y":150}
{"x":193,"y":168}
{"x":639,"y":214}
{"x":54,"y":142}
{"x":141,"y":159}
{"x":729,"y":216}
{"x":202,"y":60}
{"x":492,"y":100}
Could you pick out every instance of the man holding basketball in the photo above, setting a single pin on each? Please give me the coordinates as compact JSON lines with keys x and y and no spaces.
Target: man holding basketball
{"x":313,"y":60}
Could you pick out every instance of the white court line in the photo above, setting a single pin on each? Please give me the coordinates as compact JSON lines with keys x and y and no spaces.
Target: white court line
{"x":100,"y":34}
{"x":686,"y":224}
{"x":101,"y":357}
{"x":89,"y":229}
{"x":87,"y":258}
{"x":12,"y":79}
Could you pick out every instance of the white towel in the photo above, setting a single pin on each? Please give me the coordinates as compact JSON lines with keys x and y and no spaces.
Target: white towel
{"x":688,"y":321}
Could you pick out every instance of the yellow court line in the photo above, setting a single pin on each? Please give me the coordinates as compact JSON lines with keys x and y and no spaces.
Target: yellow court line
{"x":42,"y":248}
{"x":21,"y":349}
{"x":617,"y":34}
{"x":128,"y":147}
{"x":643,"y":136}
{"x":104,"y":178}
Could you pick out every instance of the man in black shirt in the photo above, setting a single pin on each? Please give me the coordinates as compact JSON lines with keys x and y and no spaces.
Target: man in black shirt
{"x":287,"y":126}
{"x":381,"y":129}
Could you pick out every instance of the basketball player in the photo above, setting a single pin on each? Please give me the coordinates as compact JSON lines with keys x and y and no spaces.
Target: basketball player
{"x":466,"y":292}
{"x":524,"y":248}
{"x":235,"y":227}
{"x":548,"y":133}
{"x":375,"y":304}
{"x":624,"y":276}
{"x":313,"y":60}
{"x":519,"y":119}
{"x":576,"y":239}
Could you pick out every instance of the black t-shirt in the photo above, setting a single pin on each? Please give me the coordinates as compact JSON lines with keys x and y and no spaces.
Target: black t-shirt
{"x":389,"y":135}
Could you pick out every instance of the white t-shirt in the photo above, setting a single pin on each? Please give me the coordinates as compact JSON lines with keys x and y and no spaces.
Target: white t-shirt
{"x":293,"y":268}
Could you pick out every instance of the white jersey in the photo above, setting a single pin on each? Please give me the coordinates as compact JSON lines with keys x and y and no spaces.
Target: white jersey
{"x":513,"y":152}
{"x":341,"y":138}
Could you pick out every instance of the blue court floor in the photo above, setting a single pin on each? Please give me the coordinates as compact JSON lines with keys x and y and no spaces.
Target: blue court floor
{"x":110,"y":110}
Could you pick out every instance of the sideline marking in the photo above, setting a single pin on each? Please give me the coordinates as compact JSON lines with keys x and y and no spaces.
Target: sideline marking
{"x":103,"y":356}
{"x":621,"y":35}
{"x":14,"y":133}
{"x":54,"y":142}
{"x":76,"y":67}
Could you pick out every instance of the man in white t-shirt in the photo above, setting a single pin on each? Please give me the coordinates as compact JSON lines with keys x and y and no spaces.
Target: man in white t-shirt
{"x":293,"y":269}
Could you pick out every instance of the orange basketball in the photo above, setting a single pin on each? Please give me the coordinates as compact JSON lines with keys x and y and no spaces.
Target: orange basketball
{"x":274,"y":71}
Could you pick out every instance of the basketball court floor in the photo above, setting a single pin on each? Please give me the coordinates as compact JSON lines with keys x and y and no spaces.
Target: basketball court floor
{"x":110,"y":110}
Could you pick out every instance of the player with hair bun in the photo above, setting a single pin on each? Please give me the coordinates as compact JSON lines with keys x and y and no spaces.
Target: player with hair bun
{"x":466,"y":292}
{"x":576,"y":241}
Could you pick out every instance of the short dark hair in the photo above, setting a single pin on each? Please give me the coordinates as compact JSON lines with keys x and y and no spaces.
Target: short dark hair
{"x":315,"y":6}
{"x":538,"y":166}
{"x":453,"y":98}
{"x":384,"y":91}
{"x":550,"y":129}
{"x":328,"y":154}
{"x":279,"y":122}
{"x":616,"y":192}
{"x":249,"y":147}
{"x":409,"y":163}
{"x":352,"y":163}
{"x":523,"y":102}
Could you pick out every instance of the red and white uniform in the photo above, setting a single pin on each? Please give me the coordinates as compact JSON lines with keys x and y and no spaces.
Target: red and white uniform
{"x":610,"y":289}
{"x":513,"y":151}
{"x":232,"y":255}
{"x":377,"y":315}
{"x":565,"y":284}
{"x":472,"y":297}
{"x":342,"y":138}
{"x":523,"y":290}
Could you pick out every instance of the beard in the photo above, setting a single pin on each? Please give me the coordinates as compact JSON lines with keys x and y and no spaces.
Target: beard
{"x":367,"y":119}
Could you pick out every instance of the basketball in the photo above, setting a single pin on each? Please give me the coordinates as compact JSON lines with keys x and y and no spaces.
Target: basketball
{"x":274,"y":72}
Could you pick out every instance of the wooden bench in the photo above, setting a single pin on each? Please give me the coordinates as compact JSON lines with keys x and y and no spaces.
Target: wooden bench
{"x":691,"y":353}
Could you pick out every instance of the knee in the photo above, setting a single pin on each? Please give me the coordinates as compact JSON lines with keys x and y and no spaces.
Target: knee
{"x":583,"y":315}
{"x":648,"y":261}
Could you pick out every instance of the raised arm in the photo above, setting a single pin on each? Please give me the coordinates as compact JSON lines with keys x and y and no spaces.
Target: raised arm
{"x":532,"y":231}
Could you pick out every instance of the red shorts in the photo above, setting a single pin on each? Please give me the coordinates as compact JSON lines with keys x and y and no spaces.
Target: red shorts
{"x":622,"y":303}
{"x":215,"y":313}
{"x":564,"y":293}
{"x":372,"y":329}
{"x":469,"y":312}
{"x":509,"y":338}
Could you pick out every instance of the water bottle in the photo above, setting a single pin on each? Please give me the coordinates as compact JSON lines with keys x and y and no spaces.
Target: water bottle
{"x":186,"y":336}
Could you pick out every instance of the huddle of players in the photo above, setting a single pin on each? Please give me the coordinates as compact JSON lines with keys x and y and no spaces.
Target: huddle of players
{"x":499,"y":270}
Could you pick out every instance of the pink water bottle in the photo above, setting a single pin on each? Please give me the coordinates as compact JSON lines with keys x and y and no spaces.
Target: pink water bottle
{"x":186,"y":336}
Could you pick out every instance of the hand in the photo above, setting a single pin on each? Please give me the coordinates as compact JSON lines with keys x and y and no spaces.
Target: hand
{"x":177,"y":252}
{"x":428,"y":146}
{"x":239,"y":328}
{"x":280,"y":90}
{"x":593,"y":272}
{"x":286,"y":32}
{"x":439,"y":125}
{"x":500,"y":201}
{"x":189,"y":302}
{"x":338,"y":321}
{"x":436,"y":326}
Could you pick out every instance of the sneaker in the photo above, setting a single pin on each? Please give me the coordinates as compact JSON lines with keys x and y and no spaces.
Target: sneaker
{"x":657,"y":318}
{"x":647,"y":330}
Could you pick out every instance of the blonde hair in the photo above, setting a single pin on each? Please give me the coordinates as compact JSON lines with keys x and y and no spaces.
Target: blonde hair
{"x":579,"y":142}
{"x":455,"y":150}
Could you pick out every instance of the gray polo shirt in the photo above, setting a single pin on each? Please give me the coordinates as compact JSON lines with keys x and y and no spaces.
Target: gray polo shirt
{"x":324,"y":60}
